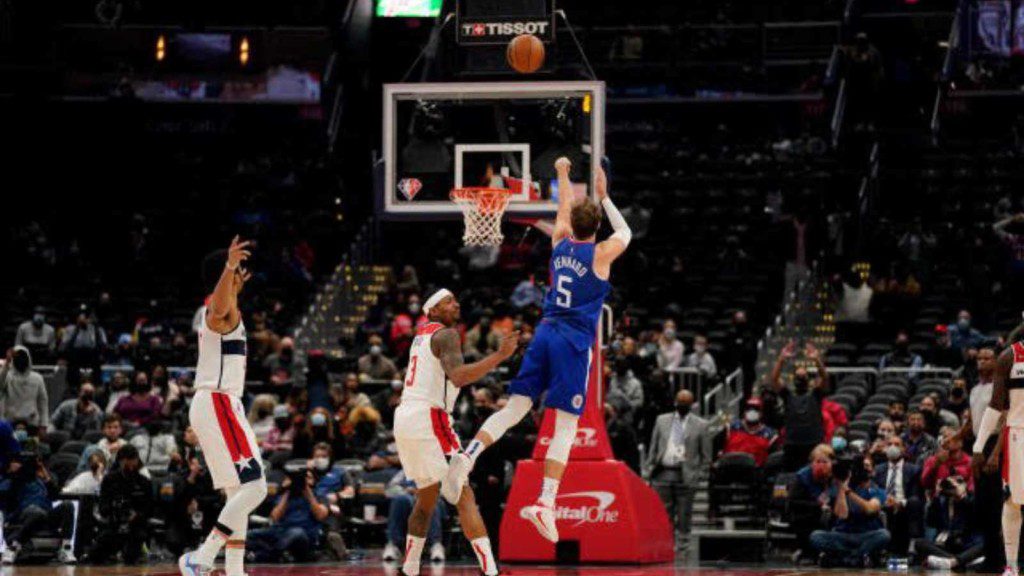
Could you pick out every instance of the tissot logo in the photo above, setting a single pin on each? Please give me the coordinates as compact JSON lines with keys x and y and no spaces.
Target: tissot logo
{"x":586,"y":507}
{"x":480,"y":29}
{"x":585,"y":438}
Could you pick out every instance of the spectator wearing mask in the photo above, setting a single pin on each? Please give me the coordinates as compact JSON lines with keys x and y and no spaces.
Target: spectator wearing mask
{"x":803,"y":409}
{"x":809,"y":497}
{"x":701,"y":359}
{"x":126,"y":504}
{"x":319,"y":429}
{"x":386,"y":401}
{"x":404,"y":326}
{"x":957,"y":542}
{"x":671,"y":351}
{"x":29,"y":491}
{"x":840,"y":443}
{"x":884,"y":430}
{"x":857,"y":536}
{"x":140,"y":406}
{"x":918,"y":443}
{"x":625,"y":392}
{"x":679,"y":454}
{"x":118,"y":388}
{"x":332,"y":488}
{"x":902,"y":357}
{"x":897,"y":414}
{"x":76,"y":416}
{"x":83,"y":344}
{"x":963,"y":337}
{"x":749,"y":435}
{"x":948,"y":460}
{"x":958,"y":402}
{"x":23,"y":390}
{"x":282,"y":436}
{"x":297,"y":522}
{"x":934,"y":420}
{"x":352,"y":397}
{"x":374,"y":365}
{"x":283,"y":368}
{"x":87,"y":483}
{"x":156,"y":445}
{"x":261,"y":416}
{"x":988,"y":484}
{"x":942,"y":353}
{"x":904,"y":501}
{"x":482,"y":339}
{"x":37,"y":336}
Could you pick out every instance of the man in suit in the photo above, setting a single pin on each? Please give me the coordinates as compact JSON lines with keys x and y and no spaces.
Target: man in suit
{"x":679,"y":453}
{"x":904,"y":501}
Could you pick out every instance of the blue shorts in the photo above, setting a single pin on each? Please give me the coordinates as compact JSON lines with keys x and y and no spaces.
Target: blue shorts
{"x":553,"y":364}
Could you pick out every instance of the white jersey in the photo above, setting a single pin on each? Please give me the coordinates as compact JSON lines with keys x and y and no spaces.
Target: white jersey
{"x":425,"y":380}
{"x":221,"y":366}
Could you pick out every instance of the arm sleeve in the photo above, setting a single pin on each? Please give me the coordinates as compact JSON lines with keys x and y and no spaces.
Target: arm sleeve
{"x":619,"y":226}
{"x":989,"y":423}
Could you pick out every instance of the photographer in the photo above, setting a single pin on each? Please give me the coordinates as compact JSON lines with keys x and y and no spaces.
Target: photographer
{"x":958,"y":540}
{"x":126,"y":503}
{"x":809,"y":499}
{"x":334,"y":488}
{"x":856,"y":503}
{"x":297,"y":520}
{"x":29,"y":491}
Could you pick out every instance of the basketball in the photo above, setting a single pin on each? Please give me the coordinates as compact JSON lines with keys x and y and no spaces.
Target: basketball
{"x":525,"y":53}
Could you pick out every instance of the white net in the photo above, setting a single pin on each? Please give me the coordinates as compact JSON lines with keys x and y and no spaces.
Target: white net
{"x":482,"y":209}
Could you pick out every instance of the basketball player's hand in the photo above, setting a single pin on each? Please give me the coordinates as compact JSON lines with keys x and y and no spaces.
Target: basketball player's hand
{"x":509,"y":344}
{"x":563,"y":165}
{"x":602,"y":184}
{"x":237,"y":252}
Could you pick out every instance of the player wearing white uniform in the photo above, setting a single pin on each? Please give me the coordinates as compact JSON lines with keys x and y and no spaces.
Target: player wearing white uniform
{"x":1008,"y":396}
{"x":226,"y":440}
{"x":423,"y":430}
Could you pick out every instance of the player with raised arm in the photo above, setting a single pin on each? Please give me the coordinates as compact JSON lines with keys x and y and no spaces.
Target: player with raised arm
{"x":559,"y":356}
{"x":423,"y":430}
{"x":1007,"y":396}
{"x":226,"y":439}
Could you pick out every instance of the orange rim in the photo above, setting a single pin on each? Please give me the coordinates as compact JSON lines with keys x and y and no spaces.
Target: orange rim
{"x":487,"y":200}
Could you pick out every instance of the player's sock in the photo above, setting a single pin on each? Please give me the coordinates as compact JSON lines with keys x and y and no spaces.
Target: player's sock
{"x":473,"y":450}
{"x":218,"y":537}
{"x":1011,"y":532}
{"x":234,"y":557}
{"x":413,"y":552}
{"x":482,"y":548}
{"x":548,"y":491}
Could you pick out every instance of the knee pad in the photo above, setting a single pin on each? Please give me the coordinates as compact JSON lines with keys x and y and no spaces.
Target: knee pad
{"x":563,"y":438}
{"x":499,"y":422}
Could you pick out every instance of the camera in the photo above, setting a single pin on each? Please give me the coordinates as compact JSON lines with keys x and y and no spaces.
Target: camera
{"x":850,"y":468}
{"x":297,"y":475}
{"x":952,"y":487}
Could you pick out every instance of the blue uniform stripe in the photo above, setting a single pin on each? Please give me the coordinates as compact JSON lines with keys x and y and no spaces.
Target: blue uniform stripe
{"x":232,"y":347}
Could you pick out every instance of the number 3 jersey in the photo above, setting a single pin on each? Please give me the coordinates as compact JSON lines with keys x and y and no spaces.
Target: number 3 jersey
{"x":425,"y":381}
{"x":573,"y":303}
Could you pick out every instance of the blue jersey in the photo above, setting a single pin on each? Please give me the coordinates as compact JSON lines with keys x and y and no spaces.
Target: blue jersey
{"x":573,"y":303}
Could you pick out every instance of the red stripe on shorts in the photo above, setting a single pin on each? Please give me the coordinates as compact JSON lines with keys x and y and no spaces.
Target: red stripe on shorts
{"x":238,"y":444}
{"x":1006,"y":454}
{"x":441,"y":431}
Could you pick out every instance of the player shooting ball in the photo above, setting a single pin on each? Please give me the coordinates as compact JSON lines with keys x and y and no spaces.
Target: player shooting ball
{"x":558,"y":359}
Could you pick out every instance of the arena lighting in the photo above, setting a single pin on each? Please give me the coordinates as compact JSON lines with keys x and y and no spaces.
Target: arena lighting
{"x":586,"y":104}
{"x":243,"y":51}
{"x":161,"y":48}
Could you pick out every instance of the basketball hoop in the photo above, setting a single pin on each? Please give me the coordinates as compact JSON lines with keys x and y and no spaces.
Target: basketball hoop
{"x":482,"y":209}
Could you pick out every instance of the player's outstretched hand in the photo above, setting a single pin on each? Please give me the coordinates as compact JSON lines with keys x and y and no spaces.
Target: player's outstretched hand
{"x":237,"y":252}
{"x":602,"y":184}
{"x":563,"y":164}
{"x":509,"y":343}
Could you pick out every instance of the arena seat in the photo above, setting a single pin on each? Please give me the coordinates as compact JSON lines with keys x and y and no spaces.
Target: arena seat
{"x":75,"y":447}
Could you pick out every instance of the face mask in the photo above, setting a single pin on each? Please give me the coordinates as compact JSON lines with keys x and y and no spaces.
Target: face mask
{"x":261,"y":414}
{"x":321,"y":464}
{"x":414,"y":308}
{"x":963,"y":324}
{"x":670,"y":333}
{"x":375,"y":350}
{"x":140,"y":388}
{"x":893,"y":453}
{"x":884,"y":434}
{"x":957,"y":392}
{"x":396,"y":385}
{"x":20,"y":361}
{"x":700,"y":349}
{"x":286,"y":353}
{"x":682,"y":410}
{"x":318,"y":419}
{"x":37,"y":320}
{"x":801,"y":385}
{"x":819,"y":470}
{"x":839,"y":443}
{"x":752,"y":416}
{"x":902,"y":346}
{"x":86,"y":397}
{"x":282,"y":423}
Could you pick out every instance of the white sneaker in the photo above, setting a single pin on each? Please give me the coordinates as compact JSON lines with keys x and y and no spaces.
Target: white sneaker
{"x":390,"y":553}
{"x":66,"y":555}
{"x":455,"y":479}
{"x":437,"y":552}
{"x":939,"y":563}
{"x":543,"y":518}
{"x":10,"y":554}
{"x":189,"y":567}
{"x":1010,"y":571}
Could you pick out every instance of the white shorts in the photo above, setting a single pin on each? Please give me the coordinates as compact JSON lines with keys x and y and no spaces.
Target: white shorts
{"x":226,"y":439}
{"x":425,"y":440}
